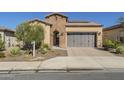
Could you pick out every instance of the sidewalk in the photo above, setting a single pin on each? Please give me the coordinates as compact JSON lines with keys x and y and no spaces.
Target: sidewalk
{"x":65,"y":64}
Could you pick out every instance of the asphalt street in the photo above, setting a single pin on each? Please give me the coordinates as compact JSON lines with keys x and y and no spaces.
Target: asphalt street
{"x":82,"y":75}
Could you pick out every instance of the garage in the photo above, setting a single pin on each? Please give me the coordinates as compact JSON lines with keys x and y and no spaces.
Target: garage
{"x":81,"y":39}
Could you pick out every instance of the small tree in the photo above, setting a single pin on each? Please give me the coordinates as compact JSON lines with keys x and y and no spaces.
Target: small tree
{"x":1,"y":43}
{"x":27,"y":33}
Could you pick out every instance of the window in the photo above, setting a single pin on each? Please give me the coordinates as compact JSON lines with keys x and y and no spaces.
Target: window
{"x":121,"y":36}
{"x":122,"y":39}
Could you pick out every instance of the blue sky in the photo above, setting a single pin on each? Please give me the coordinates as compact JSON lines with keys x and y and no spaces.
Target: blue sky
{"x":12,"y":19}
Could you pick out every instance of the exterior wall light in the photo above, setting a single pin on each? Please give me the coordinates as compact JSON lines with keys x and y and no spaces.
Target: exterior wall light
{"x":60,"y":33}
{"x":99,"y":33}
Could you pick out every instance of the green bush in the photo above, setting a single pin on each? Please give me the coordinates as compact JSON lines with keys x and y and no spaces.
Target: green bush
{"x":111,"y":44}
{"x":120,"y":49}
{"x":116,"y":44}
{"x":2,"y":54}
{"x":44,"y":48}
{"x":15,"y":51}
{"x":1,"y":43}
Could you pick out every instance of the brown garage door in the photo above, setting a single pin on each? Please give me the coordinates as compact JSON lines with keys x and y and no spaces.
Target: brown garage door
{"x":79,"y":39}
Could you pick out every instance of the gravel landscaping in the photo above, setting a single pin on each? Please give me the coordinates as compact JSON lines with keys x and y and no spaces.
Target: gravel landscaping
{"x":39,"y":57}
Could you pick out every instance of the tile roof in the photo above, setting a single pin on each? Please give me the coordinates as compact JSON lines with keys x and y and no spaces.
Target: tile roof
{"x":78,"y":21}
{"x":36,"y":19}
{"x":3,"y":28}
{"x":82,"y":23}
{"x":56,"y":14}
{"x":114,"y":27}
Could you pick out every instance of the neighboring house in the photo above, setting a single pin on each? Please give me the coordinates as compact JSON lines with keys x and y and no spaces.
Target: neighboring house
{"x":115,"y":32}
{"x":61,"y":32}
{"x":7,"y":36}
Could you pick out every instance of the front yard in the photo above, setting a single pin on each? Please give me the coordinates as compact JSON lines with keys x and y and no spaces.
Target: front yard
{"x":39,"y":57}
{"x":115,"y":47}
{"x":30,"y":37}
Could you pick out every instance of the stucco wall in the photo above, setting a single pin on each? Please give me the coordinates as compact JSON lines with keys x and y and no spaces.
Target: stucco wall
{"x":98,"y":31}
{"x":47,"y":35}
{"x":10,"y":39}
{"x":113,"y":34}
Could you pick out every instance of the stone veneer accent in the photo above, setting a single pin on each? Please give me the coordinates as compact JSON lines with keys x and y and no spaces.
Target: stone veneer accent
{"x":58,"y":24}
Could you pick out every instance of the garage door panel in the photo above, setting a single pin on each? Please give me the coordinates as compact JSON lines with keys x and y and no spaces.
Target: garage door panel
{"x":93,"y":40}
{"x":85,"y":36}
{"x":79,"y":39}
{"x":70,"y":40}
{"x":90,"y":40}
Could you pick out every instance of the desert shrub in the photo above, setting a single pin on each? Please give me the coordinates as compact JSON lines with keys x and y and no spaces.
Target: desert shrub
{"x":44,"y":48}
{"x":109,"y":43}
{"x":1,"y":43}
{"x":15,"y":51}
{"x":120,"y":49}
{"x":112,"y":44}
{"x":116,"y":44}
{"x":2,"y":54}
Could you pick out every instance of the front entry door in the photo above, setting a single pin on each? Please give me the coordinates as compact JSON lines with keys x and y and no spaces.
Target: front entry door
{"x":56,"y":39}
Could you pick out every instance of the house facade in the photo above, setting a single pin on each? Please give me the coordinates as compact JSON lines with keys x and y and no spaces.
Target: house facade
{"x":115,"y":32}
{"x":8,"y":37}
{"x":60,"y":31}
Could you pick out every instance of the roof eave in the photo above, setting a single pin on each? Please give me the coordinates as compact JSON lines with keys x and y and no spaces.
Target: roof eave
{"x":40,"y":21}
{"x":84,"y":25}
{"x":113,"y":27}
{"x":8,"y":30}
{"x":56,"y":14}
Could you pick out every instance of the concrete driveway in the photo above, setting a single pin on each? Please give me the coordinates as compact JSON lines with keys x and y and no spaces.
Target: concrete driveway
{"x":87,"y":52}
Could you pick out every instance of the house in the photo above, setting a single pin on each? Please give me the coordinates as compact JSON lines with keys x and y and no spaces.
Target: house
{"x":7,"y":36}
{"x":115,"y":32}
{"x":60,"y":31}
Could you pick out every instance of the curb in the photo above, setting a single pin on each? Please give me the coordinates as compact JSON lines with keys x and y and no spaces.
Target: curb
{"x":46,"y":70}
